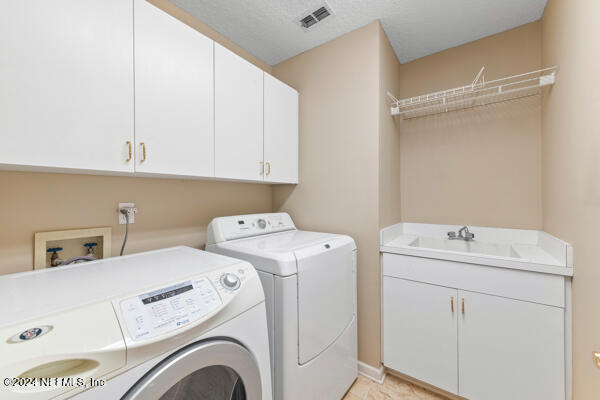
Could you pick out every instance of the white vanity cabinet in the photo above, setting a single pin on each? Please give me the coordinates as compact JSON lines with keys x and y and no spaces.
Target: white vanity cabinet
{"x":420,"y":332}
{"x":174,"y":105}
{"x":481,"y":332}
{"x":510,"y":349}
{"x":66,"y":85}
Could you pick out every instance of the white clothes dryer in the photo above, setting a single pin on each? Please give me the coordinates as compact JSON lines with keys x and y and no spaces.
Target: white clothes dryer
{"x":170,"y":324}
{"x":309,"y":279}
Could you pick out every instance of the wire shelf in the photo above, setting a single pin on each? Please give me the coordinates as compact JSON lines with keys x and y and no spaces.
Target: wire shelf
{"x":478,"y":93}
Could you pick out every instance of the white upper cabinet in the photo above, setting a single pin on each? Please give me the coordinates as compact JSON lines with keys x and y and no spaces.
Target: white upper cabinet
{"x":280,"y":132}
{"x":174,"y":125}
{"x":92,"y":86}
{"x":238,"y":117}
{"x":66,"y":84}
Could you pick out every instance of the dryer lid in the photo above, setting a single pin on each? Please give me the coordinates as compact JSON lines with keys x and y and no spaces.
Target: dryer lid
{"x":326,"y":294}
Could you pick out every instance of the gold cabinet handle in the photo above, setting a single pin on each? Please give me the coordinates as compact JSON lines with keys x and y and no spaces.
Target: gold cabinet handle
{"x":129,"y":156}
{"x":268,"y":168}
{"x":143,"y":151}
{"x":262,"y":168}
{"x":463,"y":306}
{"x":452,"y":303}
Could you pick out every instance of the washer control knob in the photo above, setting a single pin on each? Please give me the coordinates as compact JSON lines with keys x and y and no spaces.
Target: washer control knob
{"x":262,"y":224}
{"x":230,"y":281}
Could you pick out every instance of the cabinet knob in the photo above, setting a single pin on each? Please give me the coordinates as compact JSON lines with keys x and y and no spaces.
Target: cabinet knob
{"x":129,"y":153}
{"x":268,"y":168}
{"x":462,"y":306}
{"x":452,"y":303}
{"x":262,"y":168}
{"x":143,"y":151}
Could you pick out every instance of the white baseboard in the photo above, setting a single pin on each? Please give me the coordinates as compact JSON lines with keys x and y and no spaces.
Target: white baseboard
{"x":375,"y":374}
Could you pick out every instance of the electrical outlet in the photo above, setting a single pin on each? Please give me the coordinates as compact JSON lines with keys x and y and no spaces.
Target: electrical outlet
{"x":126,"y":206}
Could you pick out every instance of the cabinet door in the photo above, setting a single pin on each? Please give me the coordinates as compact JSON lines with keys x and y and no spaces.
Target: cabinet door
{"x":238,"y":117}
{"x":173,"y":95}
{"x":419,"y":331}
{"x":281,"y":132}
{"x":510,"y":349}
{"x":66,"y":84}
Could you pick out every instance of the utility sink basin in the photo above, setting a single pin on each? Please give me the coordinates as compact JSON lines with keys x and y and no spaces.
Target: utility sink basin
{"x":472,"y":247}
{"x":498,"y":247}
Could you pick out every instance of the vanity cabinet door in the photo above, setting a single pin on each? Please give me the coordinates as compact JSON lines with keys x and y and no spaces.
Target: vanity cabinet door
{"x":510,"y":349}
{"x":420,"y":331}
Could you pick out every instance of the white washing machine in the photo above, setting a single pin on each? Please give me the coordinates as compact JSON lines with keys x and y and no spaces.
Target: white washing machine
{"x":177,"y":323}
{"x":309,"y":279}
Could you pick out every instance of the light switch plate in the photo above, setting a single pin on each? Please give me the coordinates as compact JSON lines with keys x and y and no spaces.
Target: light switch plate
{"x":122,"y":220}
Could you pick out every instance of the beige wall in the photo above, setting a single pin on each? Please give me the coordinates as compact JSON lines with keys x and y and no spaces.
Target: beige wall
{"x":171,"y":212}
{"x":389,"y":137}
{"x":571,"y":167}
{"x":480,"y":166}
{"x":338,"y":190}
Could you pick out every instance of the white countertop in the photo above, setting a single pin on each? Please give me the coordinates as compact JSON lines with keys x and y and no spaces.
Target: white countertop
{"x":527,"y":250}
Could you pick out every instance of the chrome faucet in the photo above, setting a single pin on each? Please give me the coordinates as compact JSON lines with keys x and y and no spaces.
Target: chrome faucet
{"x":463,"y":234}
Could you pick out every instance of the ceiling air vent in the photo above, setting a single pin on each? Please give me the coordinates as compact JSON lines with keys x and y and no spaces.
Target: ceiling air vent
{"x":311,"y":18}
{"x":321,"y":13}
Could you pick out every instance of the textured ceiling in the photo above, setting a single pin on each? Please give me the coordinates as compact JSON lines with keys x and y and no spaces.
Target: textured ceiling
{"x":416,"y":28}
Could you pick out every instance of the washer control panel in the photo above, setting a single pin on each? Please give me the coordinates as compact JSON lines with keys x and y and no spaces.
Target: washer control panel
{"x":160,"y":311}
{"x":251,"y":225}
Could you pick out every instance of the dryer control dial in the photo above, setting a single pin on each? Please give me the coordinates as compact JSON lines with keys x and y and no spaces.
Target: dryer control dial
{"x":230,"y":281}
{"x":262,"y":224}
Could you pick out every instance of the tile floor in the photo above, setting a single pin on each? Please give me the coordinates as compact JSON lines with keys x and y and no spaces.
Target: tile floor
{"x":392,"y":389}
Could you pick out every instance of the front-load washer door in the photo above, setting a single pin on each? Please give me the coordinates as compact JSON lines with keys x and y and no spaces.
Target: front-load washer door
{"x":326,"y":295}
{"x":213,"y":370}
